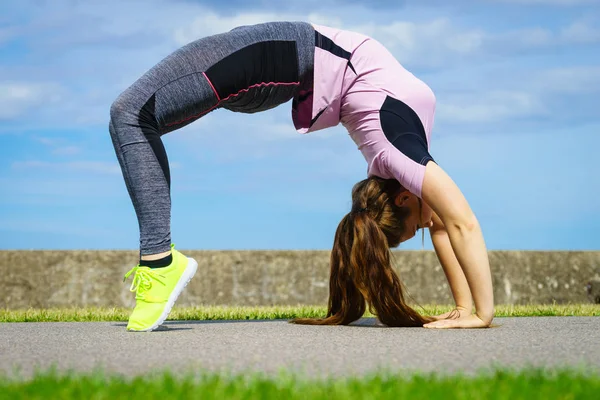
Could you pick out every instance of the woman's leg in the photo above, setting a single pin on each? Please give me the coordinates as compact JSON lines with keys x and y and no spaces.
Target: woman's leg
{"x":245,"y":65}
{"x":170,"y":95}
{"x":251,"y":69}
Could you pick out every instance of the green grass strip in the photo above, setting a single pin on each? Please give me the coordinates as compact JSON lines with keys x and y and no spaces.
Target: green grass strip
{"x":501,"y":384}
{"x":277,"y":312}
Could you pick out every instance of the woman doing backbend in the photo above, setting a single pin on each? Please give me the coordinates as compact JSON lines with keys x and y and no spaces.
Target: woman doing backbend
{"x":332,"y":76}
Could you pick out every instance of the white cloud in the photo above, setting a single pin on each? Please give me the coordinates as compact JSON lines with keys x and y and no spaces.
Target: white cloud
{"x":18,"y":98}
{"x":58,"y":146}
{"x":73,"y":166}
{"x":549,"y":93}
{"x":529,"y":37}
{"x":66,"y":24}
{"x":527,"y":40}
{"x":210,"y":23}
{"x":490,"y":106}
{"x":569,"y":80}
{"x":422,"y":43}
{"x":49,"y":141}
{"x":425,"y":43}
{"x":580,"y":32}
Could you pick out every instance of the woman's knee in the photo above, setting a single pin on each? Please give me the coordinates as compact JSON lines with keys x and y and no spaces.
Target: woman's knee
{"x":122,"y":106}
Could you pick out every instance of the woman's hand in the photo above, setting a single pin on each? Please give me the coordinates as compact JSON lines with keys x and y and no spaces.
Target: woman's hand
{"x":467,"y":321}
{"x":456,"y":313}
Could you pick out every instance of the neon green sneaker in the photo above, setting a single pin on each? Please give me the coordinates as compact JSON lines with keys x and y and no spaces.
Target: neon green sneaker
{"x":157,"y":290}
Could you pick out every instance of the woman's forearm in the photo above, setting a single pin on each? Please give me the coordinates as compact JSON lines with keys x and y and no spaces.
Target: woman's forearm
{"x":447,"y":201}
{"x":452,"y":269}
{"x":470,"y":250}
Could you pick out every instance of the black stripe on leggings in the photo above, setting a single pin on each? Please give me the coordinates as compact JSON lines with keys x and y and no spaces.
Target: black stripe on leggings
{"x":149,"y":125}
{"x":273,"y":61}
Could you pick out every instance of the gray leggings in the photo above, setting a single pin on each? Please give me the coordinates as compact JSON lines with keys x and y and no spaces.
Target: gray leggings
{"x":248,"y":69}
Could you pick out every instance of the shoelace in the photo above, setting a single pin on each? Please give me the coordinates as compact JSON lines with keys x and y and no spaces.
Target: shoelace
{"x":142,"y":282}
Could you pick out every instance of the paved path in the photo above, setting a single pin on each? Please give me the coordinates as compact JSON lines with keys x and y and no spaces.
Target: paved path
{"x":269,"y":346}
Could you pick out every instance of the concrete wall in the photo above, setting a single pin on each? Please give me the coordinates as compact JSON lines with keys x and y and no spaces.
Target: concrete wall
{"x":94,"y":278}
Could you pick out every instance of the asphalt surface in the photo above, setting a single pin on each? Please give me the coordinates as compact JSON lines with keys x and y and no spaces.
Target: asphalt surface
{"x":270,"y":346}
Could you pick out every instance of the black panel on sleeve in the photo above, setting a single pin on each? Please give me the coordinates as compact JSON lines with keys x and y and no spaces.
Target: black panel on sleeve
{"x":403,"y":128}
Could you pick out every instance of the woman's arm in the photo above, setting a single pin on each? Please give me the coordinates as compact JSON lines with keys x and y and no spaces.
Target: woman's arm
{"x":454,"y":273}
{"x":466,"y":238}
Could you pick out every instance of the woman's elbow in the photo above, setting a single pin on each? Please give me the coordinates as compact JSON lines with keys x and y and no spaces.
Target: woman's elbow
{"x":460,"y":220}
{"x":463,"y":224}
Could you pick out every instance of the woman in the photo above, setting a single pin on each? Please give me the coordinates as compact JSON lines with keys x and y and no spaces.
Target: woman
{"x":332,"y":76}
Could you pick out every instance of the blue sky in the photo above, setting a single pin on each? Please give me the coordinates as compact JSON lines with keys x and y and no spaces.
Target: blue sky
{"x":517,"y":124}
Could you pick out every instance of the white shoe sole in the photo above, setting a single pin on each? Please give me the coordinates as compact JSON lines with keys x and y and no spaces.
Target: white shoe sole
{"x":185,"y":278}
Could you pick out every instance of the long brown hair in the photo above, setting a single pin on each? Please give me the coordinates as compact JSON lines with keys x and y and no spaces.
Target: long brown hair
{"x":361,"y":270}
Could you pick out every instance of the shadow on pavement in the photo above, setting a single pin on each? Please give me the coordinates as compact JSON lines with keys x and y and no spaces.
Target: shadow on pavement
{"x":162,"y":328}
{"x":172,"y":325}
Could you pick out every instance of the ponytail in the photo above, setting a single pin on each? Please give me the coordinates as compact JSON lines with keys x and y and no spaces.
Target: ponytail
{"x":346,"y":302}
{"x":371,"y":256}
{"x":360,"y":266}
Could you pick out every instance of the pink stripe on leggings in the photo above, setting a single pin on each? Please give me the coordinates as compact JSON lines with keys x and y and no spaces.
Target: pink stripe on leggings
{"x":230,"y":96}
{"x":213,"y":88}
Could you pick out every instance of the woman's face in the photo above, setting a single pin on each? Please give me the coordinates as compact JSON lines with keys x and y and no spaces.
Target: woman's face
{"x":419,"y":217}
